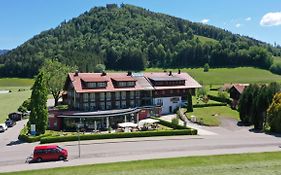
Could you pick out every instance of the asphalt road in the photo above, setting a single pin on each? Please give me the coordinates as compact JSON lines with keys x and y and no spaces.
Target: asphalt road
{"x":228,"y":140}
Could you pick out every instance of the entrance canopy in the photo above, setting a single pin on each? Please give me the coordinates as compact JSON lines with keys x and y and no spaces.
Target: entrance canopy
{"x":98,"y":114}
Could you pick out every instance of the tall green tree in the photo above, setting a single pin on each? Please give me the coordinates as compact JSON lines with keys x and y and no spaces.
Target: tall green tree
{"x":274,"y":114}
{"x":38,"y":105}
{"x":55,"y":74}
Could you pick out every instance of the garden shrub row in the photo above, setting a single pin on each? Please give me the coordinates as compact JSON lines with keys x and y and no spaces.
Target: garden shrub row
{"x":219,"y":99}
{"x":53,"y":139}
{"x":170,"y":124}
{"x":23,"y":136}
{"x":209,"y":105}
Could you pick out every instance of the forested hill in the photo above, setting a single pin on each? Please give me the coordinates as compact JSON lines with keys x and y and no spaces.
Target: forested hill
{"x":129,"y":37}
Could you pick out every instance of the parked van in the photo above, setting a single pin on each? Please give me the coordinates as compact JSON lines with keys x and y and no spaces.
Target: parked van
{"x":49,"y":152}
{"x":3,"y":127}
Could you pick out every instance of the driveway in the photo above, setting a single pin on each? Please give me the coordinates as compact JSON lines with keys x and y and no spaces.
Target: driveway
{"x":10,"y":137}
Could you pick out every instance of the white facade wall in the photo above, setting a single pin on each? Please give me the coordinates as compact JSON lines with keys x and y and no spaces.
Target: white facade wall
{"x":169,"y":104}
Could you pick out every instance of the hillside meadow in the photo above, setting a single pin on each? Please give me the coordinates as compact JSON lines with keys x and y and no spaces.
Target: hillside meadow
{"x":219,"y":76}
{"x":20,"y":91}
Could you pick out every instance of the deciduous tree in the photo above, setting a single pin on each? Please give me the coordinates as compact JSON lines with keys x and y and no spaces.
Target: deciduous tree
{"x":55,"y":74}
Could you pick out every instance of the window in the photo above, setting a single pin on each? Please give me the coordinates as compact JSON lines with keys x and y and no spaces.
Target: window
{"x":86,"y":107}
{"x":101,"y":84}
{"x":85,"y":97}
{"x":132,"y":94}
{"x":123,"y":95}
{"x":117,"y":104}
{"x":123,"y":104}
{"x":137,"y":94}
{"x":108,"y":105}
{"x":92,"y":106}
{"x":131,"y":83}
{"x":159,"y":102}
{"x":91,"y":85}
{"x":102,"y":96}
{"x":132,"y":103}
{"x":122,"y":84}
{"x":92,"y":97}
{"x":117,"y":95}
{"x":102,"y":106}
{"x":108,"y":96}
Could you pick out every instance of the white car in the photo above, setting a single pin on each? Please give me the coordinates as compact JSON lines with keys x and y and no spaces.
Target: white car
{"x":3,"y":127}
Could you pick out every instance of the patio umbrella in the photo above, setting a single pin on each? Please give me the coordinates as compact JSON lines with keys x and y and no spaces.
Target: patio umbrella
{"x":127,"y":124}
{"x":147,"y":121}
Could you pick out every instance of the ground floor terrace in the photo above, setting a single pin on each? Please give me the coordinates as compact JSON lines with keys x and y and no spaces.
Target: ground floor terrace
{"x":99,"y":120}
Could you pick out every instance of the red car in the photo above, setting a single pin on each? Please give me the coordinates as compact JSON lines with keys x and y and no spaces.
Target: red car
{"x":49,"y":152}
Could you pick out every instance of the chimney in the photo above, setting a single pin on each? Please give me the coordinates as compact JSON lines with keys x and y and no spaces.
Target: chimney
{"x":179,"y":71}
{"x":129,"y":73}
{"x":76,"y":73}
{"x":170,"y":73}
{"x":103,"y":73}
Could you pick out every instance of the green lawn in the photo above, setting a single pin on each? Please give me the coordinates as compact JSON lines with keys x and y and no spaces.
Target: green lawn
{"x":196,"y":101}
{"x":220,"y":76}
{"x":236,"y":164}
{"x":277,"y":60}
{"x":11,"y":101}
{"x":210,"y":115}
{"x":15,"y":82}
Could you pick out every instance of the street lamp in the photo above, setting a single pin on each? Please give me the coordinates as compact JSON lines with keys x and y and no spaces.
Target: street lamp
{"x":78,"y":131}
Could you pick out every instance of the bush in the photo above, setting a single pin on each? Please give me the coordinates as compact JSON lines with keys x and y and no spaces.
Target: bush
{"x":220,"y":99}
{"x":206,"y":67}
{"x":53,"y":139}
{"x":175,"y":121}
{"x":169,"y":124}
{"x":209,"y":105}
{"x":27,"y":138}
{"x":275,"y":68}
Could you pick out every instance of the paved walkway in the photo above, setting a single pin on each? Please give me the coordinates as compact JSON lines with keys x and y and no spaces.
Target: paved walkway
{"x":201,"y":129}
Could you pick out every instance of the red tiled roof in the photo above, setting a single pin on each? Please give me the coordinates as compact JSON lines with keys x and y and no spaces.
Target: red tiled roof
{"x":142,"y":83}
{"x":239,"y":87}
{"x":189,"y":81}
{"x":127,"y":78}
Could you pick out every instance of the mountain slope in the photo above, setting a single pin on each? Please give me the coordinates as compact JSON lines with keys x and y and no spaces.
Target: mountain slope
{"x":130,"y":37}
{"x":2,"y":52}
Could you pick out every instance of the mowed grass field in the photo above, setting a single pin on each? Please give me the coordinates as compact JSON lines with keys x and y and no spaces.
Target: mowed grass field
{"x":10,"y":102}
{"x":15,"y":82}
{"x":219,"y":76}
{"x":211,"y":115}
{"x":237,"y":164}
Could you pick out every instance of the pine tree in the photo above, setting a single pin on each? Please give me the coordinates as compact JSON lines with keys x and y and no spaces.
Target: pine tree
{"x":38,"y":104}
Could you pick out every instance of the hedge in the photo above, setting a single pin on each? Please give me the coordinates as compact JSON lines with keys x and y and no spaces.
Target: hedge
{"x":209,"y":105}
{"x":27,"y":138}
{"x":219,"y":99}
{"x":53,"y":139}
{"x":170,"y":124}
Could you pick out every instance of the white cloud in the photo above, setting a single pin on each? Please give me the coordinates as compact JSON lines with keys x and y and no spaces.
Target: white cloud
{"x":238,"y":25}
{"x":205,"y":21}
{"x":248,"y":19}
{"x":271,"y":19}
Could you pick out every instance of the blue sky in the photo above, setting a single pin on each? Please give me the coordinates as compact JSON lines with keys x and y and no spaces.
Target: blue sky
{"x":261,"y":19}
